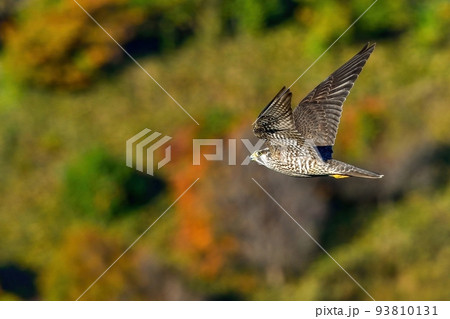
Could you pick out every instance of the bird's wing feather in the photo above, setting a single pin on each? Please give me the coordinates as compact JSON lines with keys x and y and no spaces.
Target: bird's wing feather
{"x":318,"y":114}
{"x":293,"y":143}
{"x":276,"y":116}
{"x":275,"y":124}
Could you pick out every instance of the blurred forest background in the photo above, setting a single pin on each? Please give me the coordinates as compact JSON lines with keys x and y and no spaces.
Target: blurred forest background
{"x":70,"y":98}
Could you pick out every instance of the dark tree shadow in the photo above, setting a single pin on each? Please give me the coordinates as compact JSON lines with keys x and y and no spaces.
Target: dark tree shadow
{"x":18,"y":281}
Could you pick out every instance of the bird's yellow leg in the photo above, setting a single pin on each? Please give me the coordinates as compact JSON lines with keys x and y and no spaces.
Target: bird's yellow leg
{"x":339,"y":176}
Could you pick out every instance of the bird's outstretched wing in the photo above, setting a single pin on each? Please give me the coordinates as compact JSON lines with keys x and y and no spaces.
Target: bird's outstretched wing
{"x":318,"y":114}
{"x":276,"y":117}
{"x":275,"y":124}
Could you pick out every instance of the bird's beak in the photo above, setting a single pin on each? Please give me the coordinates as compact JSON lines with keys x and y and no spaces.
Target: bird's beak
{"x":253,"y":156}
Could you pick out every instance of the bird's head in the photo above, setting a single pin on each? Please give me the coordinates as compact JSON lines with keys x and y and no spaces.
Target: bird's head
{"x":261,"y":156}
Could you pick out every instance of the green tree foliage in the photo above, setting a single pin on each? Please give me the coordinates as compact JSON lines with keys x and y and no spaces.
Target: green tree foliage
{"x":93,"y":185}
{"x":58,"y":45}
{"x":99,"y":187}
{"x":402,"y":255}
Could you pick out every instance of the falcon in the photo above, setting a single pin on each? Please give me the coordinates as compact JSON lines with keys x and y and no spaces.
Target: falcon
{"x":300,"y":142}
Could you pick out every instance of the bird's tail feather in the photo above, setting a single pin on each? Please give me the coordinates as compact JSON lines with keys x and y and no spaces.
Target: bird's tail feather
{"x":342,"y":170}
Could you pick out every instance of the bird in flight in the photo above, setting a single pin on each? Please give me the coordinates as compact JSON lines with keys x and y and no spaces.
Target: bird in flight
{"x":300,"y":142}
